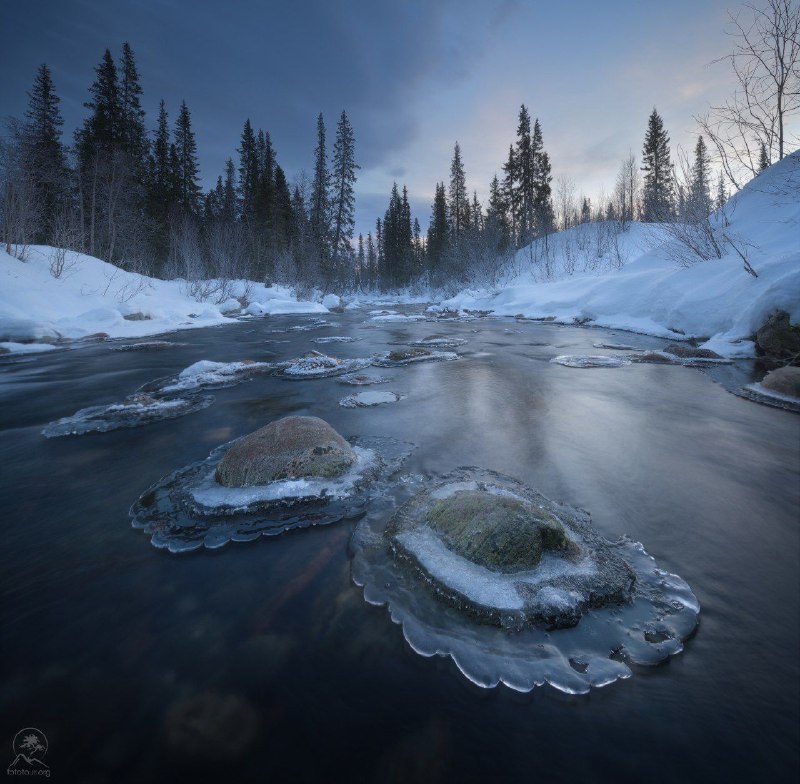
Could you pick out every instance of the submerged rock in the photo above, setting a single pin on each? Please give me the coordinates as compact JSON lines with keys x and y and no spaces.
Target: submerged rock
{"x":778,"y":337}
{"x":405,"y":356}
{"x":784,"y":381}
{"x":588,"y":361}
{"x":517,"y":589}
{"x":691,"y":352}
{"x":289,"y":448}
{"x":317,"y":365}
{"x":369,"y":398}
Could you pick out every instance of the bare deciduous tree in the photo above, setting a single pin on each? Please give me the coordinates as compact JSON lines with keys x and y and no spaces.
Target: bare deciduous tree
{"x":766,"y":64}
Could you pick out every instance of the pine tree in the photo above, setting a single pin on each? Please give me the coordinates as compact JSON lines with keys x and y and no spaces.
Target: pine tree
{"x":700,"y":187}
{"x":525,"y":175}
{"x":187,"y":174}
{"x":511,"y":192}
{"x":44,"y":156}
{"x":229,"y":207}
{"x":543,"y":214}
{"x":658,"y":191}
{"x":722,"y":195}
{"x":497,"y":214}
{"x":372,"y":262}
{"x":458,"y":203}
{"x":248,"y":172}
{"x":476,"y":213}
{"x":342,"y":187}
{"x":360,"y":262}
{"x":133,"y":136}
{"x":438,"y":229}
{"x":586,"y":210}
{"x":319,"y":207}
{"x":284,"y":222}
{"x":101,"y":130}
{"x":763,"y":158}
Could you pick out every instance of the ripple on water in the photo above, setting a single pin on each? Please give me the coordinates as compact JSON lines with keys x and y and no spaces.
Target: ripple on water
{"x":500,"y":647}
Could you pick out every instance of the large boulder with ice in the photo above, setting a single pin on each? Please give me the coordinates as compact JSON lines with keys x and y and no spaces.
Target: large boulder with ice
{"x":501,"y":533}
{"x":784,"y":381}
{"x":778,"y":337}
{"x":691,"y":352}
{"x":288,"y":448}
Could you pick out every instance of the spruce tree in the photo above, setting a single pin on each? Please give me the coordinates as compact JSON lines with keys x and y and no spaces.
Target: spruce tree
{"x":497,"y":214}
{"x":284,"y":222}
{"x":763,"y":158}
{"x":700,"y":188}
{"x":511,"y":192}
{"x":458,"y":201}
{"x":658,"y":190}
{"x":248,"y":172}
{"x":525,"y":175}
{"x":133,"y":136}
{"x":44,"y":156}
{"x":722,"y":195}
{"x":543,"y":214}
{"x":342,"y":187}
{"x":187,"y":175}
{"x":319,"y":207}
{"x":372,"y":262}
{"x":586,"y":210}
{"x":101,"y":130}
{"x":438,"y":229}
{"x":229,"y":207}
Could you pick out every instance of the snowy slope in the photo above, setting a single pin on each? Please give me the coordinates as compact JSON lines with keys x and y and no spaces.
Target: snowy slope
{"x":655,"y":295}
{"x":92,"y":296}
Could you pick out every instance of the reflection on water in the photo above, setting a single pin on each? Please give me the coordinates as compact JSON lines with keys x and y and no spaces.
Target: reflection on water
{"x":105,"y":637}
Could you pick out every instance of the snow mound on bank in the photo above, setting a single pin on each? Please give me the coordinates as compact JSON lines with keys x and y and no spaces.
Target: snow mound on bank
{"x":93,"y":296}
{"x":651,"y":293}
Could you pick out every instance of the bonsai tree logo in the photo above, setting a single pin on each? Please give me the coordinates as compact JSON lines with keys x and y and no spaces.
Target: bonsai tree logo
{"x":30,"y":745}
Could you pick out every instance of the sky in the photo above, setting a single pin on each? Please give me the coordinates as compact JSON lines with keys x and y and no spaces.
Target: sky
{"x":414,"y":77}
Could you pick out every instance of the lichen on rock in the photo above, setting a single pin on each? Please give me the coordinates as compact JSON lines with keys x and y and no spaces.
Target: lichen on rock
{"x":288,"y":448}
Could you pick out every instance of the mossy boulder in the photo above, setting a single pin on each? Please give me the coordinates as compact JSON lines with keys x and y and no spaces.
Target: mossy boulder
{"x":288,"y":448}
{"x":691,"y":352}
{"x":778,"y":337}
{"x":784,"y":381}
{"x":499,"y":532}
{"x":415,"y":352}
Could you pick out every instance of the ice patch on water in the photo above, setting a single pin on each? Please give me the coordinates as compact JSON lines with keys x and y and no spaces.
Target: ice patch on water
{"x":147,"y":345}
{"x":648,"y":628}
{"x":137,"y":411}
{"x":768,"y":397}
{"x":588,"y":361}
{"x":665,"y":358}
{"x":335,"y":339}
{"x":362,"y":379}
{"x":207,"y":375}
{"x":188,"y":510}
{"x":396,"y":317}
{"x":369,"y":398}
{"x":614,"y":346}
{"x":438,"y":342}
{"x":317,"y":365}
{"x":383,"y":360}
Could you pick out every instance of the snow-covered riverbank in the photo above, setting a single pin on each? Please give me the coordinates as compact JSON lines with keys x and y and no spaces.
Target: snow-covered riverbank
{"x":652,"y":293}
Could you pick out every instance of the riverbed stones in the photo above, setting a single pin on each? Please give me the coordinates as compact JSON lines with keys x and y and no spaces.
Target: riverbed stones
{"x":288,"y":448}
{"x":690,"y":352}
{"x":779,"y":338}
{"x":501,"y":533}
{"x":405,"y":354}
{"x":784,"y":381}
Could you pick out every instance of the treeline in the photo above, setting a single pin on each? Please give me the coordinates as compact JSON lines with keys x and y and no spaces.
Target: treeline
{"x":133,"y":197}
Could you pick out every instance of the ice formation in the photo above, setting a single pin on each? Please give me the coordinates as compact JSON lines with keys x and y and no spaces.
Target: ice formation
{"x":414,"y":354}
{"x":574,"y":611}
{"x":335,"y":339}
{"x":138,"y":410}
{"x":208,"y":375}
{"x":317,"y":365}
{"x":588,"y":361}
{"x":362,"y":379}
{"x":369,"y":398}
{"x":189,"y":509}
{"x":147,"y":345}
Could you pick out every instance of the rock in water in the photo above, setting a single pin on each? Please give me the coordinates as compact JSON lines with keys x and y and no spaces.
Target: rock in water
{"x":289,"y":448}
{"x":691,"y":352}
{"x":416,"y":352}
{"x":501,"y":533}
{"x":778,"y":337}
{"x":784,"y":381}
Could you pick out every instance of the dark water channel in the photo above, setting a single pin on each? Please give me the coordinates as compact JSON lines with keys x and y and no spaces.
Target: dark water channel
{"x":103,"y":635}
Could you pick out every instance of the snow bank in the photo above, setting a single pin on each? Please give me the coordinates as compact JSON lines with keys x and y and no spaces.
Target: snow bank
{"x":92,"y":296}
{"x":653,"y":294}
